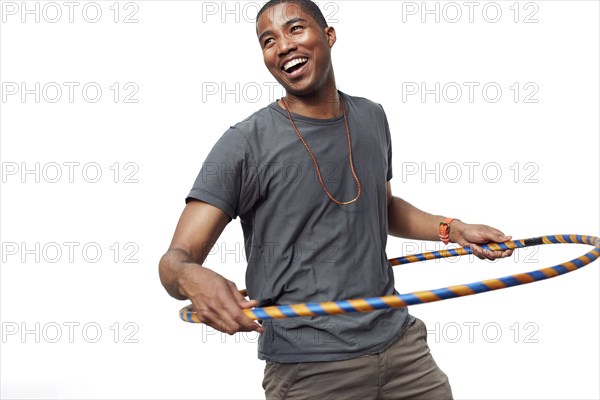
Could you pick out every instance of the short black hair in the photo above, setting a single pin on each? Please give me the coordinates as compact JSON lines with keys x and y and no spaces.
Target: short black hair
{"x":306,"y":5}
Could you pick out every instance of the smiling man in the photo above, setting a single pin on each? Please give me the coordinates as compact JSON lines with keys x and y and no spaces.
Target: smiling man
{"x":309,"y":177}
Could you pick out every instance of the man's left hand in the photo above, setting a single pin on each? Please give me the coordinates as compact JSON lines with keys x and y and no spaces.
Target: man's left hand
{"x":470,"y":235}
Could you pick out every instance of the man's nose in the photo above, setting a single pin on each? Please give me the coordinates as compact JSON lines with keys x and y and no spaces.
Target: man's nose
{"x":286,"y":45}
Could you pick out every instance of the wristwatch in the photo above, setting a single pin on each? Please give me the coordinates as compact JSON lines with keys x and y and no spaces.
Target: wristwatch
{"x":445,"y":230}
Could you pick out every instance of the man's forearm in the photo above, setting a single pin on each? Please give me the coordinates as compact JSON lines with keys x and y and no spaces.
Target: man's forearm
{"x":172,"y":268}
{"x":407,"y":221}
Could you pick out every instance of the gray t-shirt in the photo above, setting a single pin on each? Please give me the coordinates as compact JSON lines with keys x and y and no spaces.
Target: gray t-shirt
{"x":301,"y":247}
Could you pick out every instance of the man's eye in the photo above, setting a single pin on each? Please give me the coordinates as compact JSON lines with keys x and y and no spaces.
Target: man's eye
{"x":266,"y":42}
{"x":296,"y":27}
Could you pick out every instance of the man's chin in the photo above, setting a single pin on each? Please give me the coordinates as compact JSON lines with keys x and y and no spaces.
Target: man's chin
{"x":299,"y":90}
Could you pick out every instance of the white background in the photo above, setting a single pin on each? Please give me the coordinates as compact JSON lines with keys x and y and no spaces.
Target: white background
{"x":535,"y":341}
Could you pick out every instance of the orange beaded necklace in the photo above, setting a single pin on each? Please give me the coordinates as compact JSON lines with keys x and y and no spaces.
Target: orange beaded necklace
{"x":341,"y":203}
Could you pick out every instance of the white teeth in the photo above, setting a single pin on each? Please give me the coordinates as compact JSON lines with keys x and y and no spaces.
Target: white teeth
{"x":294,"y":62}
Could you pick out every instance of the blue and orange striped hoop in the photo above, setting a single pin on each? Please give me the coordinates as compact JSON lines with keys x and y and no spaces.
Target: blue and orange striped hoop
{"x":427,"y":296}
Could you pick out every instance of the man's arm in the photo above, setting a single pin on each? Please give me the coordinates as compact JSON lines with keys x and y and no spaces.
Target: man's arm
{"x":407,"y":221}
{"x":215,"y":299}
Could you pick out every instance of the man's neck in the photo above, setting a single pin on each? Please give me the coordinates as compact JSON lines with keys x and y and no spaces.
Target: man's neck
{"x":322,"y":105}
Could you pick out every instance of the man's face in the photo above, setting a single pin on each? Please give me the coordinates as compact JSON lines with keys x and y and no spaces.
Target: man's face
{"x":296,"y":50}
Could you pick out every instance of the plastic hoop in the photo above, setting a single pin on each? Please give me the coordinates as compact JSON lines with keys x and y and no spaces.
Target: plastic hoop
{"x":427,"y":296}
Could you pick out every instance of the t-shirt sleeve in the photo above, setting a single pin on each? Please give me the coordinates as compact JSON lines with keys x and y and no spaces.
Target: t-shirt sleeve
{"x":388,"y":142}
{"x":228,"y":178}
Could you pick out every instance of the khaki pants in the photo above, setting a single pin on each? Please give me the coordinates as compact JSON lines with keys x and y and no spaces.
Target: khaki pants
{"x":405,"y":370}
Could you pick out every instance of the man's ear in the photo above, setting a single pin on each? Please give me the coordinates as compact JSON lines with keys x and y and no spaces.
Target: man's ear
{"x":330,"y":34}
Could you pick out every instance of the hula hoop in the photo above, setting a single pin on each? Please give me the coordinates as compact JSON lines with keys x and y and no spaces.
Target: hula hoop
{"x":427,"y":296}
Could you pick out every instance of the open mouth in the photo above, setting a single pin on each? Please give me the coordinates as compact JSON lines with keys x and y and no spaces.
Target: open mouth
{"x":294,"y":65}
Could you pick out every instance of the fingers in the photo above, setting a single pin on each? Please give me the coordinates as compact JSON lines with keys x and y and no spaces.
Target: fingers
{"x":245,"y":323}
{"x":229,"y":318}
{"x":479,"y":252}
{"x":494,"y":235}
{"x":485,"y":254}
{"x":474,"y":235}
{"x":222,"y":309}
{"x":507,"y":253}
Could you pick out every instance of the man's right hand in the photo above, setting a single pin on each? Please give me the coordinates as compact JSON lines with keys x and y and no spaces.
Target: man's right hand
{"x":217,"y":301}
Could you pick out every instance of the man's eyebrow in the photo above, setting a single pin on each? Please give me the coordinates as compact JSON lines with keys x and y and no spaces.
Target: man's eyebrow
{"x":287,"y":23}
{"x":294,"y":20}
